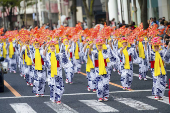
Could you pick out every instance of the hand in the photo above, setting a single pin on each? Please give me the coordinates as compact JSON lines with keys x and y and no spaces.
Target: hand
{"x":27,"y":47}
{"x":47,"y":45}
{"x":159,"y":48}
{"x":86,"y":43}
{"x":91,"y":45}
{"x":110,"y":42}
{"x":69,"y":46}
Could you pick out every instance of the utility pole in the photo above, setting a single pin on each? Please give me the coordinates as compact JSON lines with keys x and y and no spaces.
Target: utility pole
{"x":25,"y":14}
{"x":107,"y":14}
{"x":59,"y":13}
{"x":50,"y":14}
{"x":37,"y":12}
{"x":74,"y":9}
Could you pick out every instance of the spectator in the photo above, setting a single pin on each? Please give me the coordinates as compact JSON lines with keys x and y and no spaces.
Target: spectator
{"x":161,"y":26}
{"x":47,"y":26}
{"x":84,"y":25}
{"x":113,"y":23}
{"x":160,"y":21}
{"x":155,"y":21}
{"x":54,"y":26}
{"x":163,"y":18}
{"x":123,"y":23}
{"x":151,"y":21}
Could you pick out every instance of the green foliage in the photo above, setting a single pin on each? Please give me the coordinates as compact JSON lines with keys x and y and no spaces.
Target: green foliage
{"x":15,"y":3}
{"x":10,"y":3}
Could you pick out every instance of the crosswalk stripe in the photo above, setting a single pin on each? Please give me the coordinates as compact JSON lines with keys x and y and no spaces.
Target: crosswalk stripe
{"x":22,"y":108}
{"x":135,"y":104}
{"x":137,"y":75}
{"x":165,"y":99}
{"x":99,"y":106}
{"x":60,"y":108}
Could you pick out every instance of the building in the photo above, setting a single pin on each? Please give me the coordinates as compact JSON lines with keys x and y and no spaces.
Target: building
{"x":124,"y":10}
{"x":51,"y":11}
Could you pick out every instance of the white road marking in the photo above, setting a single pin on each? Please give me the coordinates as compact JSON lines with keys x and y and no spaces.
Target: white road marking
{"x":135,"y":104}
{"x":22,"y":108}
{"x":137,"y":75}
{"x":165,"y":99}
{"x":73,"y":94}
{"x":168,"y":70}
{"x":60,"y":108}
{"x":99,"y":106}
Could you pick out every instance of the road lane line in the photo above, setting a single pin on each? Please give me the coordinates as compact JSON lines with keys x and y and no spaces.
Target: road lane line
{"x":22,"y":108}
{"x":135,"y":104}
{"x":11,"y":89}
{"x":99,"y":106}
{"x":165,"y":99}
{"x":113,"y":84}
{"x":137,"y":75}
{"x":60,"y":108}
{"x":74,"y":94}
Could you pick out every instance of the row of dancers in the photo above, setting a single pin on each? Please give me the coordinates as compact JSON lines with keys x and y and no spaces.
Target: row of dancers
{"x":39,"y":59}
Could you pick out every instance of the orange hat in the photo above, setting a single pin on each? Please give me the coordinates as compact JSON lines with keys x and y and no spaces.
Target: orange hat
{"x":156,"y":41}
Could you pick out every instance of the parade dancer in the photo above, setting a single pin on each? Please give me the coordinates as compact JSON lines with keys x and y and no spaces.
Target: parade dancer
{"x":76,"y":56}
{"x":143,"y":56}
{"x":69,"y":72}
{"x":90,"y":71}
{"x":28,"y":70}
{"x":55,"y":62}
{"x":126,"y":54}
{"x":159,"y":56}
{"x":38,"y":59}
{"x":12,"y":55}
{"x":100,"y":63}
{"x":4,"y":49}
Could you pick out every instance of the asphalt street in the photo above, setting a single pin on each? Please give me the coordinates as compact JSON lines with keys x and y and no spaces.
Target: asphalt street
{"x":76,"y":98}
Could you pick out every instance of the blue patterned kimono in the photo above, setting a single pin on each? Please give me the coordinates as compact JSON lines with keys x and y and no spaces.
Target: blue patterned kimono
{"x":117,"y":65}
{"x":102,"y":81}
{"x":12,"y":61}
{"x":1,"y":49}
{"x":114,"y":59}
{"x":39,"y":75}
{"x":159,"y":82}
{"x":28,"y":69}
{"x":76,"y":62}
{"x":127,"y":74}
{"x":56,"y":83}
{"x":91,"y":76}
{"x":69,"y":71}
{"x":144,"y":63}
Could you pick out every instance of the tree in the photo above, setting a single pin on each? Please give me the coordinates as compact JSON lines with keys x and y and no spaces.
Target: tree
{"x":144,"y":13}
{"x":28,"y":3}
{"x":8,"y":8}
{"x":74,"y":10}
{"x":89,"y":12}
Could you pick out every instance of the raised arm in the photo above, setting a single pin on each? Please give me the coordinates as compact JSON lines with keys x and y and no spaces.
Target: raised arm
{"x":84,"y":49}
{"x":45,"y":51}
{"x":90,"y":47}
